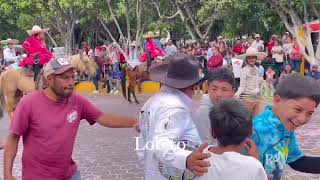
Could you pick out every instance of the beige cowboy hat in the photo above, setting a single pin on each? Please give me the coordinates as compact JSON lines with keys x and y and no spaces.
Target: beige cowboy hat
{"x":133,"y":43}
{"x":36,"y":30}
{"x":9,"y":40}
{"x":150,"y":34}
{"x":251,"y":51}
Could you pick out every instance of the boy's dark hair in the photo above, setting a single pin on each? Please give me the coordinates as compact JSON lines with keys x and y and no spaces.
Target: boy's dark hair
{"x":231,"y":122}
{"x":296,"y":86}
{"x":222,"y":74}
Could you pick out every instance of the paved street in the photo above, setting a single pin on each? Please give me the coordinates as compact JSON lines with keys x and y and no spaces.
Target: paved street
{"x":108,"y":154}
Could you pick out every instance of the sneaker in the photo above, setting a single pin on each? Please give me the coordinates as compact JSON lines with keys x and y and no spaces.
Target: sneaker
{"x":116,"y":92}
{"x":95,"y":92}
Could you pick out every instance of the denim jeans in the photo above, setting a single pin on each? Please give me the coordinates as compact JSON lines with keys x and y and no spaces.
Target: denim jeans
{"x":295,"y":64}
{"x":76,"y":176}
{"x":96,"y":79}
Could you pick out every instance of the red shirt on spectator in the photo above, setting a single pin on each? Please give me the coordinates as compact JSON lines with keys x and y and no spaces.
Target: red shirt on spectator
{"x":215,"y":61}
{"x":237,"y":49}
{"x":270,"y":46}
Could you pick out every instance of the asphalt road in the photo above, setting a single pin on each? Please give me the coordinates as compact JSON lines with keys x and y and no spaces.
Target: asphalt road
{"x":108,"y":154}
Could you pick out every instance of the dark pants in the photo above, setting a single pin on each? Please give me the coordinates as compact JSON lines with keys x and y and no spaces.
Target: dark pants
{"x":96,"y":79}
{"x":108,"y":85}
{"x":237,"y":83}
{"x":280,"y":66}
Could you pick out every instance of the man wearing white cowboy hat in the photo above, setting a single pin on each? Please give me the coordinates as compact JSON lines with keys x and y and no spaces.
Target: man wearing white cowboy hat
{"x":165,"y":122}
{"x":37,"y":52}
{"x":249,"y":78}
{"x":9,"y":53}
{"x":258,"y":43}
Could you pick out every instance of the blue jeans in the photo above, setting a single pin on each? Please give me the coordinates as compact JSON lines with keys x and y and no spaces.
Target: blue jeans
{"x":295,"y":64}
{"x":76,"y":176}
{"x":96,"y":79}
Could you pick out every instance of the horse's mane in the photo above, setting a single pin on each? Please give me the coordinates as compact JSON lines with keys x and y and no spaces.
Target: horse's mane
{"x":83,"y":64}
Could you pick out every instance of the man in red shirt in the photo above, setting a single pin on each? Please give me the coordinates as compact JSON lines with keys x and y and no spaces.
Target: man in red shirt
{"x":35,"y":45}
{"x":48,"y":122}
{"x":238,"y":48}
{"x":271,"y":43}
{"x":215,"y":61}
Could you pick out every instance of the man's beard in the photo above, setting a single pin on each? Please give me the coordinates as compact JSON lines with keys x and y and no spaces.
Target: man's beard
{"x":61,"y":94}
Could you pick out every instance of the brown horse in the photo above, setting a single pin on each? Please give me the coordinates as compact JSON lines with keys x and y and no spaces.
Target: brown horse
{"x":136,"y":76}
{"x":14,"y":83}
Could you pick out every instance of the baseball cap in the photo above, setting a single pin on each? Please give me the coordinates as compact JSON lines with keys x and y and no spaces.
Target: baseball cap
{"x":56,"y":66}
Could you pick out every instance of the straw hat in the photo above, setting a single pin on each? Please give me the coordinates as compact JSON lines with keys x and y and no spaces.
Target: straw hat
{"x":150,"y":34}
{"x":36,"y":30}
{"x":253,"y":52}
{"x":133,"y":43}
{"x":9,"y":40}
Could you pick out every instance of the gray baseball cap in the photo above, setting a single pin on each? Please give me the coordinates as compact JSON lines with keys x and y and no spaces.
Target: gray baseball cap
{"x":56,"y":66}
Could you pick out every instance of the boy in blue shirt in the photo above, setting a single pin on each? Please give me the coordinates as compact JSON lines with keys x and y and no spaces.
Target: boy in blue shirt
{"x":295,"y":100}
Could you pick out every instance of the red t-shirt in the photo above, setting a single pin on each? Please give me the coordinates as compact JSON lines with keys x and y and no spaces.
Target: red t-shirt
{"x":49,"y":130}
{"x":215,"y":61}
{"x":237,"y":49}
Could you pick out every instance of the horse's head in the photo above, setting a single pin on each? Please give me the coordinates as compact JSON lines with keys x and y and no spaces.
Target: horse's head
{"x":83,"y":64}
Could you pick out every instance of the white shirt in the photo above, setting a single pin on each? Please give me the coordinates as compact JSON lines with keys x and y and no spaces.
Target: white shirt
{"x":287,"y":48}
{"x":277,"y":53}
{"x":164,"y":120}
{"x":10,"y":54}
{"x":233,"y":166}
{"x":236,"y":67}
{"x":202,"y":120}
{"x":257,"y":45}
{"x":249,"y":81}
{"x":170,"y":50}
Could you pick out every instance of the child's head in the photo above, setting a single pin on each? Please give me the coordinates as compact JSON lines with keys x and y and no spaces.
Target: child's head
{"x":221,"y":84}
{"x":287,"y":68}
{"x":269,"y":69}
{"x":230,"y":122}
{"x":295,"y":100}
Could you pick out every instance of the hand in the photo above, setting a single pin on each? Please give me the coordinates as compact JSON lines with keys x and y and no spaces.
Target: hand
{"x":137,"y":127}
{"x":251,"y":148}
{"x":196,"y":161}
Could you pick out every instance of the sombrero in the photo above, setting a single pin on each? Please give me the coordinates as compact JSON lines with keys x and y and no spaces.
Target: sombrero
{"x":133,"y":43}
{"x":150,"y":34}
{"x":253,"y":52}
{"x":36,"y":30}
{"x":9,"y":40}
{"x":179,"y":71}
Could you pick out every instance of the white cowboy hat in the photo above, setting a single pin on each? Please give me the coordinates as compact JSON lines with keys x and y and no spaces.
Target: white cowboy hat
{"x":37,"y":29}
{"x":251,"y":51}
{"x":9,"y":40}
{"x":150,"y":34}
{"x":133,"y":43}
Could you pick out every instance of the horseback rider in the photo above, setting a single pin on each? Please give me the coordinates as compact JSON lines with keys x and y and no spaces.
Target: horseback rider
{"x":152,"y":49}
{"x":37,"y":52}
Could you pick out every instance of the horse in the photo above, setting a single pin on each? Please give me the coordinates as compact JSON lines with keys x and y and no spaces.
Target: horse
{"x":137,"y":75}
{"x":14,"y":83}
